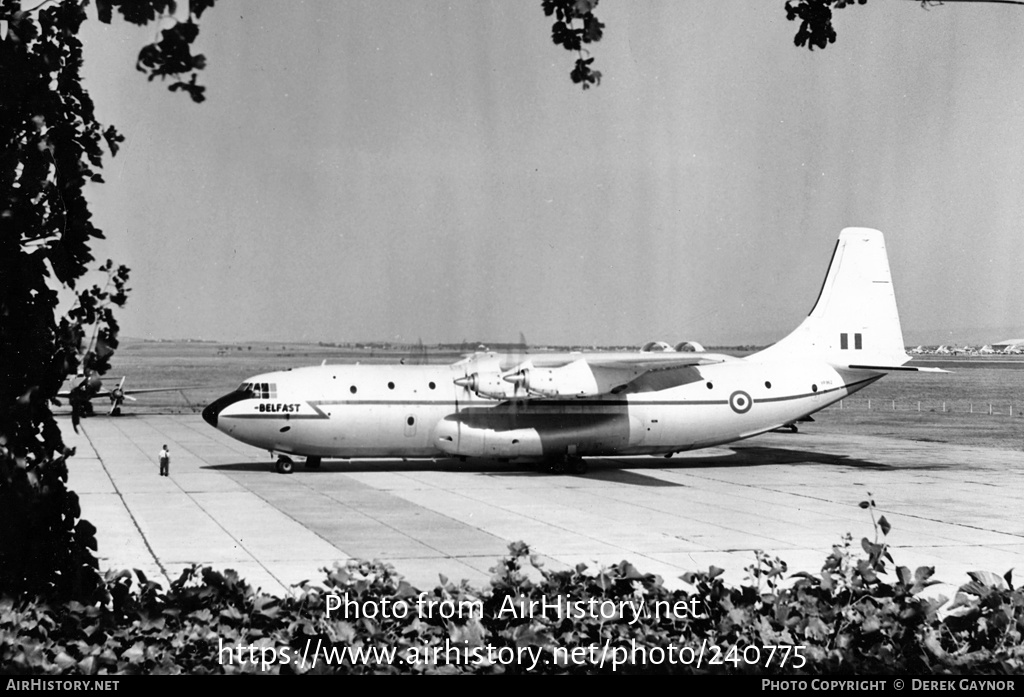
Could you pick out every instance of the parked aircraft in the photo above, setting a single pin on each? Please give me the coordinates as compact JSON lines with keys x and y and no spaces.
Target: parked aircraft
{"x":89,"y":387}
{"x":558,"y":408}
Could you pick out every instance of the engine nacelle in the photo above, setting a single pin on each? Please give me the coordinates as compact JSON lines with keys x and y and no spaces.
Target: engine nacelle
{"x":488,"y":385}
{"x":574,"y":379}
{"x":655,"y":347}
{"x":689,"y":347}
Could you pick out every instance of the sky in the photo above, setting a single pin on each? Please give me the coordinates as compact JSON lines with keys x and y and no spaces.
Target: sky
{"x":427,"y":171}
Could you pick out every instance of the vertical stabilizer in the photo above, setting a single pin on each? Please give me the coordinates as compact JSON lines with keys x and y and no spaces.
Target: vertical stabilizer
{"x":855,"y":320}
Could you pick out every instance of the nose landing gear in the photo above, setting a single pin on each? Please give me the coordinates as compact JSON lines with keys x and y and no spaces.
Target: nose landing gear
{"x":284,"y":465}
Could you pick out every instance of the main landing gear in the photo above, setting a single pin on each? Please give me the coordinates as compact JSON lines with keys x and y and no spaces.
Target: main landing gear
{"x":564,"y":465}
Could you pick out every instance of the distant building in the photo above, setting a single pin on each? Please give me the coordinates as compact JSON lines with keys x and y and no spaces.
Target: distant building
{"x":1009,"y":345}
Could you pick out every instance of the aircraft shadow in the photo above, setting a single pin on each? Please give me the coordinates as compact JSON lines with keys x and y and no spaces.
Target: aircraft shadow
{"x":757,"y":456}
{"x":361,"y":466}
{"x":618,"y":470}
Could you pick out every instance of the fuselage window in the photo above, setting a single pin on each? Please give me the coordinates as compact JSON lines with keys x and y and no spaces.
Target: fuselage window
{"x":352,"y":389}
{"x":768,"y":384}
{"x":391,"y":385}
{"x":410,"y":421}
{"x":431,"y":385}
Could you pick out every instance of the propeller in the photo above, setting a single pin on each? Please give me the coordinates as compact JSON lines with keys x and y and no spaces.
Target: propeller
{"x":519,"y":378}
{"x":483,"y":373}
{"x":117,"y":397}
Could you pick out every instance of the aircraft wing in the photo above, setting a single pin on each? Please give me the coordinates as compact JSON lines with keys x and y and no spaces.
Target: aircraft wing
{"x":587,"y":374}
{"x":129,"y":392}
{"x":630,"y":375}
{"x":158,"y":389}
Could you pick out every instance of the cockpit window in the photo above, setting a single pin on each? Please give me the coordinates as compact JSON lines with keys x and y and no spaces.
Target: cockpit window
{"x":259,"y":390}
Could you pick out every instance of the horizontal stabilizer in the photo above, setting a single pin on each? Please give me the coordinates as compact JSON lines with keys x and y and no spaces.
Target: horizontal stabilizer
{"x":888,"y":368}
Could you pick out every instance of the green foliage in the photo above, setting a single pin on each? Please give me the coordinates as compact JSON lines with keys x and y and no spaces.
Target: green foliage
{"x":53,"y":147}
{"x":858,"y":615}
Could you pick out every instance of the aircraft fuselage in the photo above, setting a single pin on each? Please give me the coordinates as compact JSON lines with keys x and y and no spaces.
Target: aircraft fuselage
{"x":418,"y":411}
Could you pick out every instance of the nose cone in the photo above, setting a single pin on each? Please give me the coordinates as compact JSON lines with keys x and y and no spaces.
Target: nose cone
{"x":213,"y":410}
{"x":210,"y":413}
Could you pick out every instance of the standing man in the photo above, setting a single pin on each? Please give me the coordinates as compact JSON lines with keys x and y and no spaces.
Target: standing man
{"x":165,"y":461}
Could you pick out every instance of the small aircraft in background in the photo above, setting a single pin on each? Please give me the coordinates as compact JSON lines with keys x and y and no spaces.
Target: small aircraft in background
{"x":558,"y":408}
{"x":90,"y":386}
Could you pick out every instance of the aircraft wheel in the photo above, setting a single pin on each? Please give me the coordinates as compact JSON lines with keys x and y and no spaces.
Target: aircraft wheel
{"x":579,"y":466}
{"x":557,"y":467}
{"x":116,"y":411}
{"x":313,"y":463}
{"x":285,"y":465}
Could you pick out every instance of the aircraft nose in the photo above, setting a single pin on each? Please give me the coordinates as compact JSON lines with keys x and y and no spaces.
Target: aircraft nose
{"x":210,"y":413}
{"x":213,"y":410}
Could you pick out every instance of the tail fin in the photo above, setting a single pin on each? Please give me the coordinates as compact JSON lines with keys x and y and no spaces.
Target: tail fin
{"x":855,"y":322}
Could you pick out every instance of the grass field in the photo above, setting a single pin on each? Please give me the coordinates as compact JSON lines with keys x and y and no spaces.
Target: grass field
{"x":980,"y":402}
{"x":951,"y":407}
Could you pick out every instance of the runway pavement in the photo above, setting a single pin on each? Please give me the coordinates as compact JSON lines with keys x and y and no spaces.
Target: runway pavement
{"x":792,"y":495}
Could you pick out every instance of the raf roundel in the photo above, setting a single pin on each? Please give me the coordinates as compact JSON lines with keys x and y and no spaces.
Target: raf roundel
{"x":740,"y":402}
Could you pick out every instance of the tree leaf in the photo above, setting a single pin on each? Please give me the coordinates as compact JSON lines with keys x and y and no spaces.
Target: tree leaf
{"x":883,"y":524}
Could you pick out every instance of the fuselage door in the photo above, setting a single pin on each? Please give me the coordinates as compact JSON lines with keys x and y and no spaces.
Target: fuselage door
{"x":410,"y":426}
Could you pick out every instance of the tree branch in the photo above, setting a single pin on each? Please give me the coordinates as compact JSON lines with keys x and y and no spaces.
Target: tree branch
{"x":935,"y":3}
